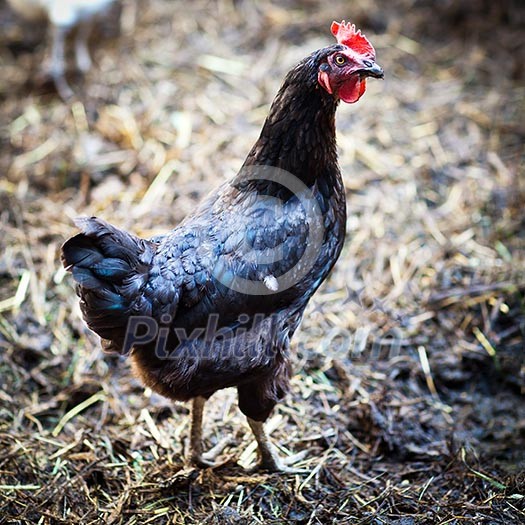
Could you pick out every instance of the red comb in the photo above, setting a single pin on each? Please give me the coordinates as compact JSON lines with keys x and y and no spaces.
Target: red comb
{"x":349,"y":36}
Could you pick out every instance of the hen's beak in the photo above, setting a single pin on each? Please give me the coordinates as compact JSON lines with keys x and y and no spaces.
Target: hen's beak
{"x":375,"y":71}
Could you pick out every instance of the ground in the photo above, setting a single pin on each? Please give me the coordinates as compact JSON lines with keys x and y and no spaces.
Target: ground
{"x":409,"y":390}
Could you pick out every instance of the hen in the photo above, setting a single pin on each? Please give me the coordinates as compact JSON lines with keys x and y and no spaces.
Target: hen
{"x":214,"y":302}
{"x":64,"y":16}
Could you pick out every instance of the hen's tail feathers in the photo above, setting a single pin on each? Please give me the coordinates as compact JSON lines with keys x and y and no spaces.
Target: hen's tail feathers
{"x":111,"y":268}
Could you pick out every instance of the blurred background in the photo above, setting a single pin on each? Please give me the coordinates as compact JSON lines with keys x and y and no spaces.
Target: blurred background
{"x":410,"y":385}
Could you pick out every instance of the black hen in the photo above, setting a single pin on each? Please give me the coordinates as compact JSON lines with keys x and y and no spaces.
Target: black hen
{"x":215,"y":302}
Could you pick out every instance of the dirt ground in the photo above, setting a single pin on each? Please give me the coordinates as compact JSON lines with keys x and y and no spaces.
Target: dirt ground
{"x":409,"y":393}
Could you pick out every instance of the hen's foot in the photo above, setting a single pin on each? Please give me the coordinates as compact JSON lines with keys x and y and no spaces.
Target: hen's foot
{"x":207,"y":459}
{"x":270,"y":458}
{"x":276,"y":463}
{"x":197,"y":456}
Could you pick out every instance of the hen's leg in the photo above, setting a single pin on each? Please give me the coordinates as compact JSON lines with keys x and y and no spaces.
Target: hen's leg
{"x":83,"y":59}
{"x":256,"y":401}
{"x":197,"y":456}
{"x":269,"y":457}
{"x":58,"y":61}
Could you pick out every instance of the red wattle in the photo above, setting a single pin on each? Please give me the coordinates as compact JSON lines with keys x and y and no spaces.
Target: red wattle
{"x":352,"y":90}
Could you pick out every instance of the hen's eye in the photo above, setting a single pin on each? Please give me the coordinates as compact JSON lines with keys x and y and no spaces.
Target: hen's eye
{"x":340,"y":60}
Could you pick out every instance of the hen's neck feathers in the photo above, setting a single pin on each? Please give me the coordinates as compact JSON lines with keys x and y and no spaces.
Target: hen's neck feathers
{"x":299,"y":133}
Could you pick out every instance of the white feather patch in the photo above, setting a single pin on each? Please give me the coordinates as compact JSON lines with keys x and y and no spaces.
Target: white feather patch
{"x":271,"y":283}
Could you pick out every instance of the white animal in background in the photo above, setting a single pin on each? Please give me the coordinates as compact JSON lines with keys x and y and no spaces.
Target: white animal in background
{"x":63,"y":16}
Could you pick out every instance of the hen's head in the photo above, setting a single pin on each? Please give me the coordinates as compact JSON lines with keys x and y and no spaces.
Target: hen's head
{"x":344,"y":71}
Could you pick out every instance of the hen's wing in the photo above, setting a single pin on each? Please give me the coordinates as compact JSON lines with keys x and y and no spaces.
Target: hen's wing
{"x":230,"y":260}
